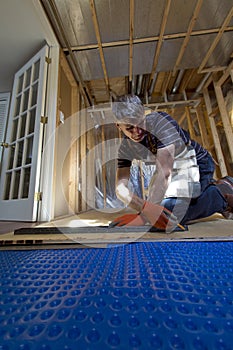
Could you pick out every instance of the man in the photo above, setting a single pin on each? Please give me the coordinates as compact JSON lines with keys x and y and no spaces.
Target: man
{"x":182,"y":188}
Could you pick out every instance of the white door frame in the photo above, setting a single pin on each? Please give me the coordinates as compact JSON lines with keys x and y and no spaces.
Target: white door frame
{"x":46,"y":208}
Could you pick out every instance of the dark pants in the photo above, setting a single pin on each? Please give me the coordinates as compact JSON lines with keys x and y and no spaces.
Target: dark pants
{"x":209,"y":202}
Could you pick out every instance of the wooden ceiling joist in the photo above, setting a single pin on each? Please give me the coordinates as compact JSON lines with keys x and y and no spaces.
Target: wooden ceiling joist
{"x":171,"y":104}
{"x":160,"y":41}
{"x":131,"y":31}
{"x":216,"y":40}
{"x":225,"y":74}
{"x":98,"y":37}
{"x":188,"y":34}
{"x":147,"y":39}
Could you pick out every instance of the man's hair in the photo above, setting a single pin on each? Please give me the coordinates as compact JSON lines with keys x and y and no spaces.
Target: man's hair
{"x":127,"y":107}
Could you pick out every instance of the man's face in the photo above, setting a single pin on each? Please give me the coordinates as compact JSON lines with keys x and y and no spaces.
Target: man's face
{"x":134,"y":132}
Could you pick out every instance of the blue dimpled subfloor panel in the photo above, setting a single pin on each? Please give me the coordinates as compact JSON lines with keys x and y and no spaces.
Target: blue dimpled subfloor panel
{"x":175,"y":295}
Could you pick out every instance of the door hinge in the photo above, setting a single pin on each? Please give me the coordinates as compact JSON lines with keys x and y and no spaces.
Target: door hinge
{"x":43,"y":119}
{"x":38,"y":196}
{"x":48,"y":60}
{"x":4,"y":144}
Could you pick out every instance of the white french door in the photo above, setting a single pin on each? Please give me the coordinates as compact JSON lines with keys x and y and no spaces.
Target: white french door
{"x":21,"y":161}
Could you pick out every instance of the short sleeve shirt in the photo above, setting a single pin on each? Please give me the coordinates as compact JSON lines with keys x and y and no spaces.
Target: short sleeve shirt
{"x":161,"y":131}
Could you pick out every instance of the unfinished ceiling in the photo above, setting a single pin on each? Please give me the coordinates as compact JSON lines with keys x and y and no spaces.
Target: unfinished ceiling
{"x":162,"y":50}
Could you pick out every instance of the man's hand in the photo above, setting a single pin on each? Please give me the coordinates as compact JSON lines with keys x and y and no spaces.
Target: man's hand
{"x":158,"y":216}
{"x":154,"y":214}
{"x":128,"y":220}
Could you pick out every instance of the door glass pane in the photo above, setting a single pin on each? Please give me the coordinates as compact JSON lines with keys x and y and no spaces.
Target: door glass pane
{"x":28,"y":77}
{"x":23,"y":125}
{"x":20,"y":153}
{"x":14,"y":130}
{"x":7,"y":186}
{"x":32,"y":118}
{"x":36,"y":70}
{"x":26,"y":182}
{"x":34,"y":94}
{"x":29,"y":150}
{"x":16,"y":184}
{"x":20,"y":84}
{"x":17,"y":105}
{"x":11,"y":157}
{"x":25,"y":100}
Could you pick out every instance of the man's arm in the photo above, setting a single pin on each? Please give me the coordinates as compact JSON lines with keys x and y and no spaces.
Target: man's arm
{"x":122,"y":190}
{"x":159,"y":181}
{"x":148,"y":213}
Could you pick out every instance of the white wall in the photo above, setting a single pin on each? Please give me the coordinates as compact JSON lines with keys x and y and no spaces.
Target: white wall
{"x":23,"y":31}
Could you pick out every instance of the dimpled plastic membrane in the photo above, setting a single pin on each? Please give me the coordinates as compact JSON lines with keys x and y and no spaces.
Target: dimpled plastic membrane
{"x":173,"y":295}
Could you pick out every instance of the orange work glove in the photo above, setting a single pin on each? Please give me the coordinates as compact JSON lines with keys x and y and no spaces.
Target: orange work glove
{"x":158,"y":216}
{"x":128,"y":220}
{"x":154,"y":214}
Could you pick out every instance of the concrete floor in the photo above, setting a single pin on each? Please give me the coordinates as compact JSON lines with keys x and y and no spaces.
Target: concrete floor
{"x":212,"y":228}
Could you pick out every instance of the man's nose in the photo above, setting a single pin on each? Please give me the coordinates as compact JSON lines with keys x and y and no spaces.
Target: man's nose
{"x":136,"y":130}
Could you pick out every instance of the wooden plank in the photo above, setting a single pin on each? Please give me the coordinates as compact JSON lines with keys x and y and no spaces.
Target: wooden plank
{"x":225,"y":118}
{"x":188,"y":34}
{"x":216,"y":40}
{"x":72,"y":184}
{"x":146,"y":39}
{"x":104,"y":165}
{"x":171,"y":104}
{"x":202,"y":128}
{"x":97,"y":32}
{"x":213,"y":69}
{"x":67,"y":70}
{"x":216,"y":140}
{"x":83,"y":164}
{"x":160,"y":40}
{"x":225,"y":74}
{"x":62,"y":156}
{"x":90,"y":174}
{"x":73,"y":149}
{"x":55,"y":172}
{"x":190,"y":124}
{"x":229,"y":105}
{"x":213,"y":228}
{"x":208,"y":82}
{"x":142,"y":180}
{"x":77,"y":193}
{"x":182,"y":118}
{"x":131,"y":31}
